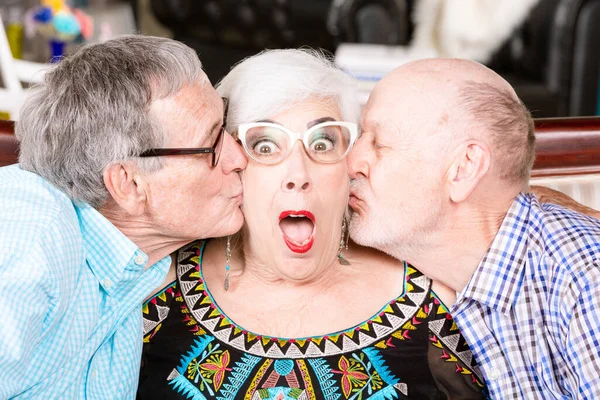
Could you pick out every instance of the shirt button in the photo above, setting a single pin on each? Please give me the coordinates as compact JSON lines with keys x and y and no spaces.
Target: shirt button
{"x":107,"y":284}
{"x":139,"y":260}
{"x":94,"y":374}
{"x":493,"y":375}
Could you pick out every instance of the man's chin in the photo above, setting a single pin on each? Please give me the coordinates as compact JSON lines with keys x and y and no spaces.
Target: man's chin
{"x":367,"y":232}
{"x":359,"y":233}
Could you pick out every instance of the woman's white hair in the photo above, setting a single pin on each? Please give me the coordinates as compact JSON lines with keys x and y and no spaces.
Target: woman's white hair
{"x":274,"y":81}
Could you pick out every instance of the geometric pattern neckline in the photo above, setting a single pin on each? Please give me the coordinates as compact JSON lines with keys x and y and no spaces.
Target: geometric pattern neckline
{"x":397,"y":315}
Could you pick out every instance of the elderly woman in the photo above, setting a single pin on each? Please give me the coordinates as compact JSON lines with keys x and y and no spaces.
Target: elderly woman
{"x":287,"y":309}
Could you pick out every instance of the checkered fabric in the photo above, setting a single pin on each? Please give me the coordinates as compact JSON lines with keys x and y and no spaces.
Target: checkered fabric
{"x":531,"y":311}
{"x":71,"y":289}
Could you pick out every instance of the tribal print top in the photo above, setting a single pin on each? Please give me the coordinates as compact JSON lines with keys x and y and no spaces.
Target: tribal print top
{"x":410,"y":349}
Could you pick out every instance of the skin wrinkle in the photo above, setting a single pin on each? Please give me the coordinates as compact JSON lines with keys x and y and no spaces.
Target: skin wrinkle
{"x":384,"y":218}
{"x":301,"y":283}
{"x":294,"y":300}
{"x":186,"y":185}
{"x":298,"y":160}
{"x":83,"y":127}
{"x":198,"y":136}
{"x":286,"y":303}
{"x":91,"y":95}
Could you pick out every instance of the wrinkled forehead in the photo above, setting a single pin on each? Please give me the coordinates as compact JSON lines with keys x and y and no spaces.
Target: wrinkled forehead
{"x":193,"y":114}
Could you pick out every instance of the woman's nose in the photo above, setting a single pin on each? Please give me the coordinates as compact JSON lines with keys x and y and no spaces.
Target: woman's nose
{"x":298,"y":177}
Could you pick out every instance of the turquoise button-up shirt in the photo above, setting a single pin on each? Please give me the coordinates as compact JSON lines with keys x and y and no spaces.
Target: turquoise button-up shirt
{"x":71,"y":289}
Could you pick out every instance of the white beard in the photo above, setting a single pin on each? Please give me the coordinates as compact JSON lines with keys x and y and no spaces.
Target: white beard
{"x":390,"y":231}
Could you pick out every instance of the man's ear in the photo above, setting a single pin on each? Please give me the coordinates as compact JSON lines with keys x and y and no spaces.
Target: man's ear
{"x":126,"y":187}
{"x":470,"y":165}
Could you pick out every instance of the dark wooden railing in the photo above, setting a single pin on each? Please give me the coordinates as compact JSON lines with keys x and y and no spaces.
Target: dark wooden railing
{"x":8,"y":143}
{"x":565,"y":146}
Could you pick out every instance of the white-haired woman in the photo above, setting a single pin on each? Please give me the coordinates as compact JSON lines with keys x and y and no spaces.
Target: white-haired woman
{"x":290,"y":311}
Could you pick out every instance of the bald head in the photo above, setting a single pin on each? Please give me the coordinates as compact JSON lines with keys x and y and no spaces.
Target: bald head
{"x":449,"y":71}
{"x":467,"y":100}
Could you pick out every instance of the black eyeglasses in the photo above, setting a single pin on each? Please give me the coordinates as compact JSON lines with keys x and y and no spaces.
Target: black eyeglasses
{"x":215,"y":150}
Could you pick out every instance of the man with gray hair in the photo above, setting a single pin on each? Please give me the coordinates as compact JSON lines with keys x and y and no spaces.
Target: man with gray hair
{"x":121,"y":145}
{"x":440,"y":179}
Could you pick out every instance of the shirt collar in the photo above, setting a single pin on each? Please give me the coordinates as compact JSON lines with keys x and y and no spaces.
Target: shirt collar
{"x":495,"y":281}
{"x":108,"y":250}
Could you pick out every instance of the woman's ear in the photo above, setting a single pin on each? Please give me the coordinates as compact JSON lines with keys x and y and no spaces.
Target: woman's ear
{"x":127,"y":189}
{"x":468,"y":168}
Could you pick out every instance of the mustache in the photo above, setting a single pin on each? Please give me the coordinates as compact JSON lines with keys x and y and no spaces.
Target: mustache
{"x":356,"y":185}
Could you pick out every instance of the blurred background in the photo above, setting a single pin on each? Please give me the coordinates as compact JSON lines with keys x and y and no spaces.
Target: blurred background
{"x":549,"y":50}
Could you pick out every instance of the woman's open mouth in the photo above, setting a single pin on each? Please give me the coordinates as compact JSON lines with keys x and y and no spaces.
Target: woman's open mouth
{"x":298,"y":228}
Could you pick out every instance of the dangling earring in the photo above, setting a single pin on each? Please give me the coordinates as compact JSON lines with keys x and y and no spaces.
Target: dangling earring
{"x":343,"y":243}
{"x":227,"y":259}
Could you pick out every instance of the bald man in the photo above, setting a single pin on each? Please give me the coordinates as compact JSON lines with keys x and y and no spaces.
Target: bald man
{"x":440,"y":179}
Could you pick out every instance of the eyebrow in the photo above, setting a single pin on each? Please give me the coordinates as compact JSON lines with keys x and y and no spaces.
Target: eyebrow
{"x":319,"y":121}
{"x":308,"y":125}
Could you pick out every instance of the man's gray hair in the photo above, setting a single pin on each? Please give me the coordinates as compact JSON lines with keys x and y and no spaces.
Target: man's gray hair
{"x":93,"y":109}
{"x":509,"y":124}
{"x":275,"y":80}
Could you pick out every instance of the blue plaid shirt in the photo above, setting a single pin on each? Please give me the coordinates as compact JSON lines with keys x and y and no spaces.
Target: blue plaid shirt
{"x":531,"y":311}
{"x":71,"y":289}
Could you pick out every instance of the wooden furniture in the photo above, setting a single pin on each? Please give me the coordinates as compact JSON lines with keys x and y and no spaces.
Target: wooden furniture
{"x":8,"y":143}
{"x":568,"y":158}
{"x":567,"y":146}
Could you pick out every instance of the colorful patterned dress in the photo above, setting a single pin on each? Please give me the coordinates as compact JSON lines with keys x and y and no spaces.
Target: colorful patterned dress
{"x":410,"y":349}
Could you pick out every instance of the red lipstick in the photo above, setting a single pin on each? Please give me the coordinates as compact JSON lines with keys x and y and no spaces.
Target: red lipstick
{"x":303,"y":213}
{"x":306,"y":245}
